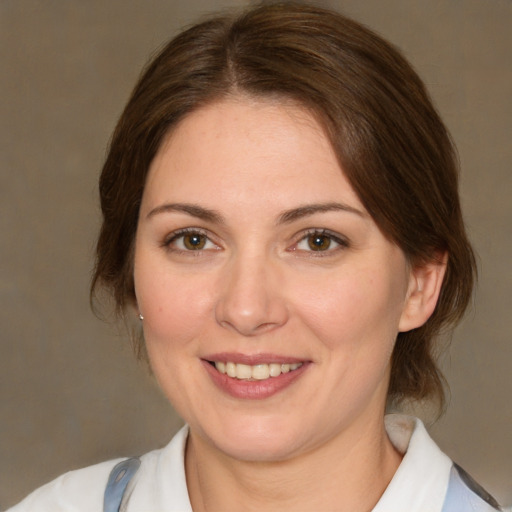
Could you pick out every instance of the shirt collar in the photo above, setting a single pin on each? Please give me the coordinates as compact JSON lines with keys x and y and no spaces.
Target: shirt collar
{"x":419,"y":484}
{"x":421,"y":481}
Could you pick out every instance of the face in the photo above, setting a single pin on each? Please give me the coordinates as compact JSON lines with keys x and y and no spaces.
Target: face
{"x":271,"y":300}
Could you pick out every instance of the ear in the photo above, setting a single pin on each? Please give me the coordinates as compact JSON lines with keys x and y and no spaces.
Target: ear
{"x":425,"y":283}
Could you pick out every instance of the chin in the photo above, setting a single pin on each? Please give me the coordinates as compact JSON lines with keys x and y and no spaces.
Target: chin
{"x":266,"y":448}
{"x":263,"y":440}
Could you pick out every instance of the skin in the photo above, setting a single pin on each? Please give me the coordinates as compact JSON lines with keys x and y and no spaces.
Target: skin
{"x":255,"y":286}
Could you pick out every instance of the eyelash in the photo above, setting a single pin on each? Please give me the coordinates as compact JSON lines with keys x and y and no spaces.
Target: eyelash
{"x":342,"y":243}
{"x":181,"y":233}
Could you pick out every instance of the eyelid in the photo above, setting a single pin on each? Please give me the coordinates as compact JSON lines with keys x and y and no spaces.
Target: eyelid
{"x":175,"y":235}
{"x":341,"y":241}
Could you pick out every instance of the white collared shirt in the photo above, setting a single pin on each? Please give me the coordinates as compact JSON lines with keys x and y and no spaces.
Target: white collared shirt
{"x":419,"y":484}
{"x":421,"y":481}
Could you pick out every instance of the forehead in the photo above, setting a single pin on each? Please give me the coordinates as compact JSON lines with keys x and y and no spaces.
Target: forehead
{"x":245,"y":147}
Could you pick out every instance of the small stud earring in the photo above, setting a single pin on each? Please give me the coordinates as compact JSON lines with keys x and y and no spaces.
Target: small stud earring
{"x":141,"y":317}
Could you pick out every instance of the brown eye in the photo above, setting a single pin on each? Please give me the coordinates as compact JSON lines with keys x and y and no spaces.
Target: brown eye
{"x":321,"y":241}
{"x":189,"y":240}
{"x":194,"y":241}
{"x":318,"y":242}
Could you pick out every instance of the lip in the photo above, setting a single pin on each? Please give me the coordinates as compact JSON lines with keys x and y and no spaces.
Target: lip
{"x":253,"y":389}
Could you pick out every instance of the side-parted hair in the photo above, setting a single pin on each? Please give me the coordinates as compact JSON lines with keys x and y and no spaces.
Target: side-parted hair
{"x":391,"y":144}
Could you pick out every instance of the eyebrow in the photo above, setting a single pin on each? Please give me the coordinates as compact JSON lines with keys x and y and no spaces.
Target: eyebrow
{"x":190,"y":209}
{"x":285,"y":217}
{"x":304,"y":211}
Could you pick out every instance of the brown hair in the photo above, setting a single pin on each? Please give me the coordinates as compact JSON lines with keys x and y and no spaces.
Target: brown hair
{"x":390,"y":141}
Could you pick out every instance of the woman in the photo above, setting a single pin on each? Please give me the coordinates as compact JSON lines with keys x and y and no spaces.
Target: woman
{"x":281,"y":212}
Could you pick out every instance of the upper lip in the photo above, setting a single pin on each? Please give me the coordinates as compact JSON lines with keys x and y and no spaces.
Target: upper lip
{"x":252,"y":359}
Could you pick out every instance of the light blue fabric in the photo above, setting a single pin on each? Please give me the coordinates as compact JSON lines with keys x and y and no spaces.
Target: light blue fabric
{"x":117,"y":482}
{"x":465,"y":495}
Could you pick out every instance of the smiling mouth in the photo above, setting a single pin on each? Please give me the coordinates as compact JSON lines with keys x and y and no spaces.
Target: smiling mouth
{"x":254,"y":372}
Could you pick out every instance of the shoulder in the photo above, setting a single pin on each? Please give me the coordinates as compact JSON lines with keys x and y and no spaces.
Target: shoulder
{"x":160,"y":483}
{"x":464,"y":493}
{"x":76,"y":491}
{"x":427,"y":479}
{"x":83,"y":490}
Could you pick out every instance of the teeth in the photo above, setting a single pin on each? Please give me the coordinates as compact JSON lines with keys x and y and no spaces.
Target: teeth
{"x":256,"y":372}
{"x":231,"y":369}
{"x":260,"y":372}
{"x":243,"y":371}
{"x":274,"y":369}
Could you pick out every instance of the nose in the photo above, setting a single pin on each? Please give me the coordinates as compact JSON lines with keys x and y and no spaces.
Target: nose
{"x":251,"y":301}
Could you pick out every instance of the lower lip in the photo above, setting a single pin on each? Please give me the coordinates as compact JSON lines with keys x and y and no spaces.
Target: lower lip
{"x":253,"y":389}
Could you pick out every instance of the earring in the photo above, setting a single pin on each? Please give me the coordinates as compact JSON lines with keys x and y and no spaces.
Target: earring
{"x":141,"y":317}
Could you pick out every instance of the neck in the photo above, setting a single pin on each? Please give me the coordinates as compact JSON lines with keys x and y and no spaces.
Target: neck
{"x":349,"y":472}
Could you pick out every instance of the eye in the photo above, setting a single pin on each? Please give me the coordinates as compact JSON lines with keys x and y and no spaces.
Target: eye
{"x":189,"y":240}
{"x":320,"y":241}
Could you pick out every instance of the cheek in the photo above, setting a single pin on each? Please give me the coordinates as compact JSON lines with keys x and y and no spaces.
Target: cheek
{"x":353,"y":311}
{"x":175,"y":314}
{"x":175,"y":308}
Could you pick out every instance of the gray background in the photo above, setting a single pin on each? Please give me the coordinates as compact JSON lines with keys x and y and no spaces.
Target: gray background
{"x":71,"y":392}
